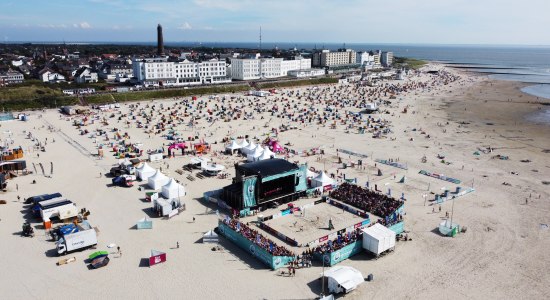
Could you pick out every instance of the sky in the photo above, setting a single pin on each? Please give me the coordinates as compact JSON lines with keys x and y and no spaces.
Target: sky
{"x":497,"y":22}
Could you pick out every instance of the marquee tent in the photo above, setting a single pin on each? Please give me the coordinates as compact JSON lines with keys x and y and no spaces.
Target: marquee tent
{"x":199,"y":161}
{"x":255,"y":155}
{"x":266,"y":155}
{"x":145,"y":171}
{"x":210,"y":237}
{"x":212,"y":169}
{"x":157,"y":180}
{"x":233,"y":146}
{"x":173,"y":190}
{"x":321,"y":180}
{"x":243,"y":144}
{"x":250,"y":148}
{"x":343,"y":279}
{"x":311,"y":174}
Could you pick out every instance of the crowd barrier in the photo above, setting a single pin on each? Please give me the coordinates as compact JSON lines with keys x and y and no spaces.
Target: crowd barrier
{"x":440,"y":177}
{"x":274,"y":262}
{"x":393,"y":164}
{"x":278,"y":234}
{"x":397,"y":228}
{"x":330,"y":259}
{"x":353,"y":153}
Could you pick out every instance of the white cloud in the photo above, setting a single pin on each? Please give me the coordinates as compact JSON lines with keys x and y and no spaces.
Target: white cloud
{"x":185,"y":26}
{"x":83,"y":25}
{"x":55,"y":26}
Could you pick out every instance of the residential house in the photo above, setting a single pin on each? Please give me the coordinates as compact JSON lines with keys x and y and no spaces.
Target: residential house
{"x":85,"y":75}
{"x":11,"y":77}
{"x":48,"y":75}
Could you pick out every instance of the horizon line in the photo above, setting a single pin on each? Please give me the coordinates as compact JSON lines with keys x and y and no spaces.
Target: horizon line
{"x":167,"y":43}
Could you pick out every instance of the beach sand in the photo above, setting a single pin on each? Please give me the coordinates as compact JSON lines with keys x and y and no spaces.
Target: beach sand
{"x":503,"y":254}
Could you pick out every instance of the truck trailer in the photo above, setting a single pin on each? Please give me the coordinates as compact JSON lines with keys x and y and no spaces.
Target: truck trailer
{"x":76,"y":241}
{"x":63,"y":210}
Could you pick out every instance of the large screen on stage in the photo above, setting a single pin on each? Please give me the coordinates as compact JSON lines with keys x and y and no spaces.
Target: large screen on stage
{"x":276,"y":188}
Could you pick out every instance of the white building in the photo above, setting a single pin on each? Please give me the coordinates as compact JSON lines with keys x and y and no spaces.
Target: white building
{"x":326,"y":58}
{"x":386,"y":59}
{"x":85,"y":75}
{"x":11,"y":77}
{"x":365,"y":58}
{"x":254,"y":68}
{"x":47,"y":75}
{"x":159,"y":71}
{"x":306,"y":73}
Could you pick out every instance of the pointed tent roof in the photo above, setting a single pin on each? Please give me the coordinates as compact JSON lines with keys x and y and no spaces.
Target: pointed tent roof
{"x":158,"y":176}
{"x":269,"y":152}
{"x":323,"y":178}
{"x":311,"y":174}
{"x":233,"y":145}
{"x":243,"y":144}
{"x":251,"y":146}
{"x":145,"y":167}
{"x":265,"y":155}
{"x":172,"y":184}
{"x":258,"y":151}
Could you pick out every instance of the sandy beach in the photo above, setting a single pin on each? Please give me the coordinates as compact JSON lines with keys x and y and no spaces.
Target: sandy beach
{"x":502,"y":254}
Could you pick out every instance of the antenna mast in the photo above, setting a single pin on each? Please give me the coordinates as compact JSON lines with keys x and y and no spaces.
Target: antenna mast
{"x":260,"y":40}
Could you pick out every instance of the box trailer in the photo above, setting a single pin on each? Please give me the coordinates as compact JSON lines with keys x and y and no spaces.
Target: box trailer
{"x":162,"y":207}
{"x":378,"y":239}
{"x":63,"y":210}
{"x":76,"y":241}
{"x":37,"y":199}
{"x":47,"y":204}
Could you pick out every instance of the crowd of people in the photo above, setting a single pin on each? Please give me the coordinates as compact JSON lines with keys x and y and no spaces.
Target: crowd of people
{"x":378,"y":204}
{"x":255,"y":237}
{"x":338,"y":243}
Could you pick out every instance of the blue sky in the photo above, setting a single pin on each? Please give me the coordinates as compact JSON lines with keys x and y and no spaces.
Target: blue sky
{"x":352,"y":21}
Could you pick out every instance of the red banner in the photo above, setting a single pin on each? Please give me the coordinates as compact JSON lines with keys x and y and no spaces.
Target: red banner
{"x":323,"y":239}
{"x":157,"y":259}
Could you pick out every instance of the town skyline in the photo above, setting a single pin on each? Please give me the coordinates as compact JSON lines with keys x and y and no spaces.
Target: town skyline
{"x":457,"y":22}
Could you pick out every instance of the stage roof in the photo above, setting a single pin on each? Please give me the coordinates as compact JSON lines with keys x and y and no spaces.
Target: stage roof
{"x":267,"y":167}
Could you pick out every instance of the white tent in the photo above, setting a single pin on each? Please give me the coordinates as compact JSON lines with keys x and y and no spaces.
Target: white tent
{"x":243,"y":144}
{"x":145,"y":171}
{"x":173,"y":190}
{"x":378,"y":238}
{"x":213,"y":169}
{"x":256,"y":154}
{"x":233,"y":146}
{"x":250,"y":148}
{"x":321,"y":180}
{"x":210,"y":237}
{"x":268,"y":152}
{"x":343,"y":279}
{"x":202,"y":161}
{"x":157,"y":180}
{"x":266,"y":155}
{"x":311,"y":174}
{"x":447,"y":228}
